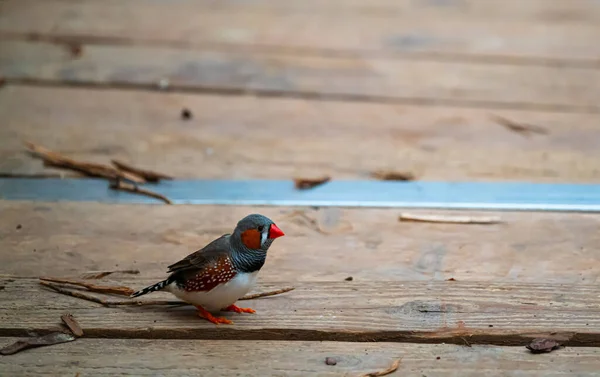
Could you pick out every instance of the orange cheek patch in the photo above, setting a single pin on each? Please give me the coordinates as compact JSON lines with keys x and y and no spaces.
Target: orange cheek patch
{"x":251,"y":238}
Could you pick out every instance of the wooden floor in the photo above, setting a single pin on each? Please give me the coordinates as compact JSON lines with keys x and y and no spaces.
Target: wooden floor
{"x":284,"y":89}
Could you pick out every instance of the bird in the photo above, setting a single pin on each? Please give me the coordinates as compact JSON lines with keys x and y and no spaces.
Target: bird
{"x":216,"y":276}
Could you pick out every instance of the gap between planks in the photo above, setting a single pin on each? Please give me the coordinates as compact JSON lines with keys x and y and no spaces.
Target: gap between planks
{"x":308,"y":95}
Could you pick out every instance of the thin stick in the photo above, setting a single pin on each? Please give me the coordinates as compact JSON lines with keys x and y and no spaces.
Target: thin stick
{"x":387,"y":371}
{"x":57,"y":160}
{"x":148,"y":175}
{"x":521,"y":128}
{"x":71,"y":293}
{"x":267,"y":294}
{"x":100,"y":274}
{"x":118,"y":290}
{"x":119,"y":185}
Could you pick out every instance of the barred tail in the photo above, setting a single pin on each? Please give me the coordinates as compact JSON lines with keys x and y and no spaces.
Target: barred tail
{"x":153,"y":288}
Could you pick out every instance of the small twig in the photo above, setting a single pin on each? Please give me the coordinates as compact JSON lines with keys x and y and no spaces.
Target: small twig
{"x":57,"y":160}
{"x":71,"y":293}
{"x":393,"y":175}
{"x":387,"y":371}
{"x":117,"y":290}
{"x":522,"y":128}
{"x":308,"y":183}
{"x":72,"y":324}
{"x":466,"y":341}
{"x":148,"y":175}
{"x":450,"y":219}
{"x":119,"y":185}
{"x":266,"y":294}
{"x":101,"y":274}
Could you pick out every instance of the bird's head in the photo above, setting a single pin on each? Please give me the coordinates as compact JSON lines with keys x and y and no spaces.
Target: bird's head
{"x":257,"y":232}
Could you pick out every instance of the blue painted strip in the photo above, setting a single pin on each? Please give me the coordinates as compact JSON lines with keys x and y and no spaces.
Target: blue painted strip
{"x":439,"y":195}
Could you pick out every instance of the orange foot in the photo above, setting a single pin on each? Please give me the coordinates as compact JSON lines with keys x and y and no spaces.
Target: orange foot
{"x":233,"y":308}
{"x":216,"y":320}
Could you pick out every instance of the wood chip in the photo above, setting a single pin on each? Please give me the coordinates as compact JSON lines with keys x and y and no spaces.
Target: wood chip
{"x":450,"y":219}
{"x":72,"y":324}
{"x":128,"y":187}
{"x":522,"y":128}
{"x":100,"y":274}
{"x":385,"y":372}
{"x":330,"y":360}
{"x":117,"y":290}
{"x":38,"y":341}
{"x":451,"y":279}
{"x":148,"y":175}
{"x":393,"y":175}
{"x":542,"y":345}
{"x":57,"y":160}
{"x":308,"y":183}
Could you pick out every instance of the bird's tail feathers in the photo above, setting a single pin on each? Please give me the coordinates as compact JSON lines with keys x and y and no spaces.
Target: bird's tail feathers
{"x":152,"y":288}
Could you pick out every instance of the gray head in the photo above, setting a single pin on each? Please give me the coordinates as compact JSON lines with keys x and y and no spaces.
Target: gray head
{"x":250,"y":241}
{"x":256,"y":232}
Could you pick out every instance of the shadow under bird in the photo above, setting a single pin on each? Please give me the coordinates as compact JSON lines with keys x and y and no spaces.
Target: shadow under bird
{"x":216,"y":276}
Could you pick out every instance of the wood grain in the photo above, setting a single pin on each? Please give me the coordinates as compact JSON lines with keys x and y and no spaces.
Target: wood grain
{"x":247,"y":138}
{"x":421,"y":312}
{"x":68,"y":239}
{"x":563,"y":30}
{"x":462,"y":84}
{"x":180,"y":358}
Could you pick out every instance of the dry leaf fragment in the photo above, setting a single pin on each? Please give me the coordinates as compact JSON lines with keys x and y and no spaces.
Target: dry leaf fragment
{"x":308,"y":183}
{"x":57,"y":160}
{"x":451,"y":279}
{"x":522,"y":128}
{"x":393,"y":175}
{"x":451,"y":219}
{"x":148,"y":175}
{"x":387,"y":371}
{"x":38,"y":341}
{"x":543,"y":345}
{"x":72,"y":324}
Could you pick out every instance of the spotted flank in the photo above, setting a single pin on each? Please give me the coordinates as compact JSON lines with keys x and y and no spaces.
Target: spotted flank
{"x":214,"y":273}
{"x":153,"y":288}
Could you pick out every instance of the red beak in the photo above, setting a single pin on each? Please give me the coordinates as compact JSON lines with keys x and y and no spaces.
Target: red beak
{"x":275,"y":232}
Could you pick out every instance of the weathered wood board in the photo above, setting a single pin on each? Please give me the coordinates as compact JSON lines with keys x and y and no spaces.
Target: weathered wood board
{"x":179,"y":358}
{"x":419,"y":312}
{"x":241,"y":137}
{"x":498,"y":86}
{"x":368,"y":244}
{"x":542,"y":29}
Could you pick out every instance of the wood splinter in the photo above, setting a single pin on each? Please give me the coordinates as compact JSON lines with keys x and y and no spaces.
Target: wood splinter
{"x":117,"y":290}
{"x":522,"y":128}
{"x":122,"y":186}
{"x":449,"y":219}
{"x":148,"y":175}
{"x":384,"y":372}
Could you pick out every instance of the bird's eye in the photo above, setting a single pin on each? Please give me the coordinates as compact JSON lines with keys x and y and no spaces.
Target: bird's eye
{"x":260,"y":228}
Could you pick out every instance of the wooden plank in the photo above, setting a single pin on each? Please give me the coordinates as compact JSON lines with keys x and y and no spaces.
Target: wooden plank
{"x":278,"y":74}
{"x":286,"y":138}
{"x":563,"y":30}
{"x":138,"y":357}
{"x":421,"y":312}
{"x":367,"y":244}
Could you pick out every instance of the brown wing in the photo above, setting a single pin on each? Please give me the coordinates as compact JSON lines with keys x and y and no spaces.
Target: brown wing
{"x":198,"y":260}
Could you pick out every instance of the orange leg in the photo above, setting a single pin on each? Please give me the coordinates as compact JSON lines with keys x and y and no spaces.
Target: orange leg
{"x":237,"y":309}
{"x":216,"y":320}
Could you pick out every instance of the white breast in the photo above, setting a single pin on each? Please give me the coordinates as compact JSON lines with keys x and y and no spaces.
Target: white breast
{"x":221,"y":296}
